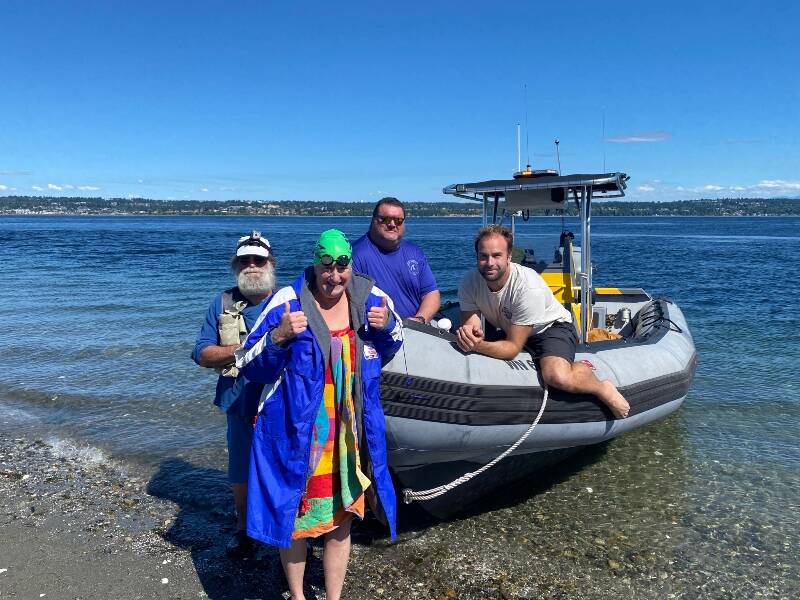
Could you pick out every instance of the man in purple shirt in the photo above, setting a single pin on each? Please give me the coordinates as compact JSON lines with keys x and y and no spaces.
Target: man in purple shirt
{"x":399,"y":267}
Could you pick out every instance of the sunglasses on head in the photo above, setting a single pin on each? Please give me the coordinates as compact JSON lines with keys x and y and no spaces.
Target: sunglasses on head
{"x":328,"y":260}
{"x":258,"y":261}
{"x":385,"y":220}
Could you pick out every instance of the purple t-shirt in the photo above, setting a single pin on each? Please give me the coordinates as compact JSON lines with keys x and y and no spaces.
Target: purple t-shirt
{"x":404,"y":273}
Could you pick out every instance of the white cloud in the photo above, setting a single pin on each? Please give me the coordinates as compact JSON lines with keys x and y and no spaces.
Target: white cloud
{"x":203,"y":189}
{"x":651,"y":189}
{"x":3,"y":187}
{"x":765,"y":188}
{"x":37,"y":188}
{"x":778,"y":184}
{"x":91,"y":188}
{"x":767,"y":184}
{"x":647,"y":137}
{"x":68,"y":187}
{"x":53,"y":186}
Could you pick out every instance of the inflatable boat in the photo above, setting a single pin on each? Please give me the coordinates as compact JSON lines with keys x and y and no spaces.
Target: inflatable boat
{"x":450,"y":414}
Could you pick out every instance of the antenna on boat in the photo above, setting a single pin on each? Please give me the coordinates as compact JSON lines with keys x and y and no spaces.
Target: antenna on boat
{"x":519,"y":155}
{"x":558,"y":155}
{"x":527,"y":131}
{"x":603,"y":139}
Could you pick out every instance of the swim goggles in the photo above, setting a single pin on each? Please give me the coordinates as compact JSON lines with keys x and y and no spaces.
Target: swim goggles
{"x":327,"y":261}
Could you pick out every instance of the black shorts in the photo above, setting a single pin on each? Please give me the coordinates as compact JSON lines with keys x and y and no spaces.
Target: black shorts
{"x":560,"y":339}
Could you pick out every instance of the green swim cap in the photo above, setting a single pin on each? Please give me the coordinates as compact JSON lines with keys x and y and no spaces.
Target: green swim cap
{"x":333,"y":243}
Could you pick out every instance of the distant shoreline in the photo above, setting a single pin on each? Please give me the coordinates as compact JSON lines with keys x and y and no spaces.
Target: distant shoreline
{"x":137,"y":207}
{"x":569,"y":216}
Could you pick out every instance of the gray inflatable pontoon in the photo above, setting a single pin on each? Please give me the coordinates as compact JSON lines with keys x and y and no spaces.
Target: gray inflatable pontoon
{"x":449,"y":413}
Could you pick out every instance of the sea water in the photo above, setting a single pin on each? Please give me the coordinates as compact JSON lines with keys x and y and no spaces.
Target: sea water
{"x":98,"y":317}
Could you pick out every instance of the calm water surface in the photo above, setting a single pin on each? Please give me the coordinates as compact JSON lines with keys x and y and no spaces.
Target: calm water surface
{"x":99,"y":316}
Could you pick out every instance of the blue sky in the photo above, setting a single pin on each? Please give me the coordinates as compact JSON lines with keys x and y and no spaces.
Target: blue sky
{"x":353,"y":101}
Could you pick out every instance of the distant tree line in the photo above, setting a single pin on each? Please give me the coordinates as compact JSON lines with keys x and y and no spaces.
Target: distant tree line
{"x":142,"y":206}
{"x":729,"y":207}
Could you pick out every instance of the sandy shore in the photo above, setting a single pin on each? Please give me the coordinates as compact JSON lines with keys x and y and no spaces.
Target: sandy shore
{"x":76,"y":525}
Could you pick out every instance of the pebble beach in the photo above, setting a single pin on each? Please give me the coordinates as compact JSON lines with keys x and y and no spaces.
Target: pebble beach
{"x":77,"y":525}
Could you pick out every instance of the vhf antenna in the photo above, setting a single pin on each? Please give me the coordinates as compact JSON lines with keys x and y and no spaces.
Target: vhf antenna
{"x":603,"y":139}
{"x":558,"y":155}
{"x":527,"y":131}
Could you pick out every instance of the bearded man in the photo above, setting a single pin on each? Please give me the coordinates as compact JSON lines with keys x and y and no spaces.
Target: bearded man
{"x":229,"y":319}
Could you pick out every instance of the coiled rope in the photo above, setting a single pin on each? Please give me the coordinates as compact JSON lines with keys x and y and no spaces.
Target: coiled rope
{"x":410,"y":495}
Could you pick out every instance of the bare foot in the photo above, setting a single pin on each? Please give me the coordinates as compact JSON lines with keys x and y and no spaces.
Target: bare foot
{"x":615,"y":401}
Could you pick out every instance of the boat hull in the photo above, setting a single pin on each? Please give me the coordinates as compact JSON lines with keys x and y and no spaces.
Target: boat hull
{"x":449,"y":413}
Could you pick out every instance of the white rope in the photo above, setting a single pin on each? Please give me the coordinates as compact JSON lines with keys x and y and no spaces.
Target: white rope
{"x":410,"y":495}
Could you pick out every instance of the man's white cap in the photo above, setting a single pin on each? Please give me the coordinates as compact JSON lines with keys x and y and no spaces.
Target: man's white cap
{"x":253,"y":245}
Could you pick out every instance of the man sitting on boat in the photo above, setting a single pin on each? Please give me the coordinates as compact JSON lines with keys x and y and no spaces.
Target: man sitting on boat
{"x":399,"y":267}
{"x":517,"y":300}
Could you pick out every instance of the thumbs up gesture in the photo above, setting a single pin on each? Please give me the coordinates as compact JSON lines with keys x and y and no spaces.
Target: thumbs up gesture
{"x":378,"y":316}
{"x":292,"y":324}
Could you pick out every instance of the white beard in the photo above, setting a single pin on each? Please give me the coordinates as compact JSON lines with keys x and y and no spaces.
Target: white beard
{"x":255,"y":281}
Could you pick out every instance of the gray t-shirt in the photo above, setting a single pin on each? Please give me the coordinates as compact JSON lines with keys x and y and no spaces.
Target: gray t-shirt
{"x":525,"y":299}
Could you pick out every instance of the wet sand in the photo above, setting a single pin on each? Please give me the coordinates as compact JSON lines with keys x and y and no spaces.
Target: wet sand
{"x":77,"y":526}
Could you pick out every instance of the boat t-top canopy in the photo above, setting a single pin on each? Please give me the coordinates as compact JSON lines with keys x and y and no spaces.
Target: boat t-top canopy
{"x":546,"y":190}
{"x":549,"y":192}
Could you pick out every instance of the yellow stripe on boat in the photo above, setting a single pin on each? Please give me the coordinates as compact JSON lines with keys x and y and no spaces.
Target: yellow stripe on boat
{"x":576,"y":314}
{"x":560,"y":284}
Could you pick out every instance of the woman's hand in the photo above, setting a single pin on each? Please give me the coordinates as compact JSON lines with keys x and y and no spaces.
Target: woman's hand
{"x":292,"y":324}
{"x":378,"y":316}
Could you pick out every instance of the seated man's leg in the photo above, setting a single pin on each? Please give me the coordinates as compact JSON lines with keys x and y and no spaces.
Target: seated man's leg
{"x":557,"y":348}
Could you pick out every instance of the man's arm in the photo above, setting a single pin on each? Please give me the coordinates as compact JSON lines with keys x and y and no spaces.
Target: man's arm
{"x":429,"y":305}
{"x":207,"y":350}
{"x":508,"y":348}
{"x":471,"y":317}
{"x":431,"y":298}
{"x":470,"y":338}
{"x":217,"y":356}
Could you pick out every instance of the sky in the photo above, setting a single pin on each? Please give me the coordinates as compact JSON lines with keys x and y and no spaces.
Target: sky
{"x":352,"y":101}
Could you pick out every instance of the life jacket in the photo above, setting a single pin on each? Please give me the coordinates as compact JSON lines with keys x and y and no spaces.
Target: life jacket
{"x":232,"y":328}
